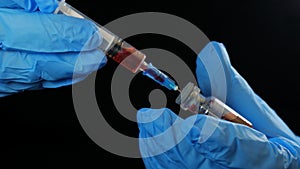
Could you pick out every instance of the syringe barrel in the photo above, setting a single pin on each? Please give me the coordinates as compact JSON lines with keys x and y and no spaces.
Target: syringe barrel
{"x":113,"y":46}
{"x":109,"y":39}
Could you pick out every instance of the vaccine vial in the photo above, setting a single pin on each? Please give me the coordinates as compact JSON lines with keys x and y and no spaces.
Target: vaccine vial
{"x":192,"y":100}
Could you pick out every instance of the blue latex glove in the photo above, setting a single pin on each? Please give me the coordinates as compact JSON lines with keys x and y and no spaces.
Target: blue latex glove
{"x":39,"y":49}
{"x":201,"y":141}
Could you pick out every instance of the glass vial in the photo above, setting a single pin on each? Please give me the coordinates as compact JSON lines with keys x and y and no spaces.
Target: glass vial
{"x":190,"y":99}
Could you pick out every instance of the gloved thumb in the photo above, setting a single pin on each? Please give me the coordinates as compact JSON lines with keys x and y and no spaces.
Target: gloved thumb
{"x":217,"y":77}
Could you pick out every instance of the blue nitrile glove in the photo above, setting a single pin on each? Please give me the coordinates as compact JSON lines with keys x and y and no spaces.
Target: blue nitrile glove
{"x":39,"y":49}
{"x":200,"y":141}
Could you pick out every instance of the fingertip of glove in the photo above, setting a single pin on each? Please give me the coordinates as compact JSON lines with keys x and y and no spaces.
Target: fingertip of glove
{"x":213,"y":68}
{"x":215,"y":43}
{"x":144,"y":110}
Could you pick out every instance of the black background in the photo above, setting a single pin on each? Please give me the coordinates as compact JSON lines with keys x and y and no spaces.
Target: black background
{"x":41,"y":130}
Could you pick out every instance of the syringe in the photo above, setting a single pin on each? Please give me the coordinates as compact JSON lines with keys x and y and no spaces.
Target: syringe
{"x":120,"y":51}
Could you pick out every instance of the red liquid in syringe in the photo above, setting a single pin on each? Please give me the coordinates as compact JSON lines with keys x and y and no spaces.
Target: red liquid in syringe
{"x":130,"y":58}
{"x":123,"y":53}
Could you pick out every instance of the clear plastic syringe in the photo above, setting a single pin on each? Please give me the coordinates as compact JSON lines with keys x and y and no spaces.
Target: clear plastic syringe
{"x":120,"y":51}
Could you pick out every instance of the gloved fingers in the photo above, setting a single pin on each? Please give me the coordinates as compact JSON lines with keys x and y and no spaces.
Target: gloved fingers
{"x":234,"y":145}
{"x":152,"y":122}
{"x":47,"y":33}
{"x":23,"y":71}
{"x":46,"y":6}
{"x":216,"y":76}
{"x":158,"y":131}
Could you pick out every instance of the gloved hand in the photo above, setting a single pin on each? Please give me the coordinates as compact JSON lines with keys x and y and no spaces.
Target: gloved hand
{"x":39,"y":49}
{"x":200,"y":141}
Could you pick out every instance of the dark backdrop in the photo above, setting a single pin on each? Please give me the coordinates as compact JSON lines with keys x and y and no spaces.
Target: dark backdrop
{"x":40,"y":128}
